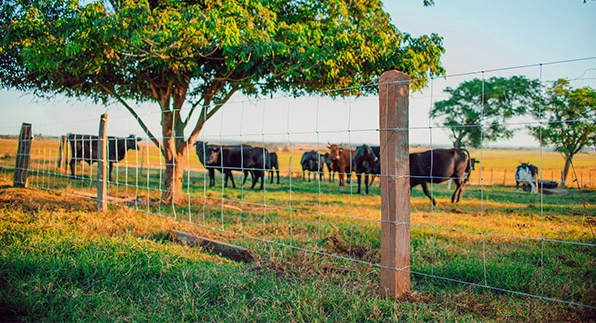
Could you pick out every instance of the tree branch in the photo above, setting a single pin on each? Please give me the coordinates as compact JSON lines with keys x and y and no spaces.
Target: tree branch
{"x":133,"y":112}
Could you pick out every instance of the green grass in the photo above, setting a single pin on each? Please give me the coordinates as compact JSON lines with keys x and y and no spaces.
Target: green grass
{"x":62,"y":261}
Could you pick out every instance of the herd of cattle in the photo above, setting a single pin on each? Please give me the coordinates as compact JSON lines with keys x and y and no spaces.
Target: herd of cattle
{"x":433,"y":166}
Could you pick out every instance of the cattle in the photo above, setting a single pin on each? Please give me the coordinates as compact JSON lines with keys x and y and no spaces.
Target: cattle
{"x":341,"y":161}
{"x":313,"y":162}
{"x":243,"y":158}
{"x":85,"y":147}
{"x":203,"y":149}
{"x":273,"y":163}
{"x":526,"y":174}
{"x":365,"y":161}
{"x":256,"y":161}
{"x":440,"y":165}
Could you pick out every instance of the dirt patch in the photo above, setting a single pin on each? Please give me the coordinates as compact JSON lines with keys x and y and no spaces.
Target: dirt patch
{"x":35,"y":200}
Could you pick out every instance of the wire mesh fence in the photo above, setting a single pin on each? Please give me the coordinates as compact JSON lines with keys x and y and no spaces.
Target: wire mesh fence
{"x":498,"y":237}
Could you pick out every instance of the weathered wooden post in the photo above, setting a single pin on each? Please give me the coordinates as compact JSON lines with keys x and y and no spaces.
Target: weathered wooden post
{"x":102,"y":165}
{"x":394,"y":89}
{"x":63,"y":149}
{"x":23,"y":158}
{"x":505,"y":178}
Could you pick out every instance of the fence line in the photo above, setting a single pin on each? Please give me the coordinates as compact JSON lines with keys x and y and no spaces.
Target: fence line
{"x":251,"y":214}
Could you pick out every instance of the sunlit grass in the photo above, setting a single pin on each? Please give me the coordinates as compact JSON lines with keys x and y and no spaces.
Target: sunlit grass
{"x":496,"y":236}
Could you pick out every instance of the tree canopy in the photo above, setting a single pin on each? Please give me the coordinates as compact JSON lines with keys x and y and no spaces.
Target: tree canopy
{"x":567,"y":120}
{"x":191,"y":56}
{"x":478,"y":110}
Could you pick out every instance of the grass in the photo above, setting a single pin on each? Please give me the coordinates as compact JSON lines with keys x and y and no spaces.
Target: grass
{"x":62,"y":261}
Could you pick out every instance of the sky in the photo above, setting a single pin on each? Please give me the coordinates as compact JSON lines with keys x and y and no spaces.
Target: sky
{"x":544,"y":40}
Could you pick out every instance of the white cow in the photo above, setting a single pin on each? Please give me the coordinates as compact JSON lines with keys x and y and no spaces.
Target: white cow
{"x":526,"y":174}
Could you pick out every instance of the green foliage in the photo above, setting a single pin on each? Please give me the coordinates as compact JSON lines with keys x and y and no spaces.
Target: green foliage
{"x":567,"y":120}
{"x":477,"y":111}
{"x":567,"y":117}
{"x":208,"y":48}
{"x":188,"y":54}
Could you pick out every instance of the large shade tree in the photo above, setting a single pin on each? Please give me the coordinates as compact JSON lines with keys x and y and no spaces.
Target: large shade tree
{"x":190,"y":56}
{"x":478,"y":110}
{"x":567,"y":120}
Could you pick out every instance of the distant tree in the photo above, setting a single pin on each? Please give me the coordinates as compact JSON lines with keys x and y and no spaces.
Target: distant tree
{"x":190,"y":56}
{"x":478,"y":110}
{"x":567,"y":121}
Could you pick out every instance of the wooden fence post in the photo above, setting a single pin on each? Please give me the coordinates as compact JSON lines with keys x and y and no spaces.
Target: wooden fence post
{"x":63,"y":149}
{"x":23,"y":158}
{"x":394,"y":90}
{"x":505,"y":178}
{"x":102,"y":165}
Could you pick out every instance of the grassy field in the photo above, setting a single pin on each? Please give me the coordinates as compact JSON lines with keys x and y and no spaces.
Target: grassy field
{"x":316,"y":247}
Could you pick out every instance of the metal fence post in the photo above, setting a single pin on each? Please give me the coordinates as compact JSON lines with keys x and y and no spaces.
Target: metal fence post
{"x":102,"y":165}
{"x":394,"y":90}
{"x":23,"y":158}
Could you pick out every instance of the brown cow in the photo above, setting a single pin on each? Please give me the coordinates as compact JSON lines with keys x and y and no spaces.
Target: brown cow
{"x":341,"y":161}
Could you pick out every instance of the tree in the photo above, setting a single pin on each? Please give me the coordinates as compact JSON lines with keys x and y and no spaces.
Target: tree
{"x":567,"y":121}
{"x":478,"y":110}
{"x":191,"y":56}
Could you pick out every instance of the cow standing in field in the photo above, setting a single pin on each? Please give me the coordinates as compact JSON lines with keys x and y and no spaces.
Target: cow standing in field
{"x":526,"y":174}
{"x":365,"y":161}
{"x":85,"y":147}
{"x":242,"y":158}
{"x":313,"y":162}
{"x":440,"y":165}
{"x":203,"y":150}
{"x":341,"y":161}
{"x":273,"y":163}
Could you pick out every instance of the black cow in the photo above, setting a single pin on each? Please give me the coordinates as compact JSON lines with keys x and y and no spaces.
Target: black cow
{"x":439,"y":165}
{"x":203,"y":149}
{"x":256,"y":161}
{"x":313,"y":162}
{"x":365,"y":161}
{"x":273,"y":163}
{"x":85,"y":147}
{"x":240,"y":158}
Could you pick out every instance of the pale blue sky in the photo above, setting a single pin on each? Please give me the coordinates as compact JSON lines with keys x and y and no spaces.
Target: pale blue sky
{"x":478,"y":35}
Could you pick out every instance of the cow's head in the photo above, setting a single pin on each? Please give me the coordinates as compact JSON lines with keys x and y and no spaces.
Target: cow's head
{"x":212,"y":155}
{"x":335,"y":152}
{"x":132,"y":142}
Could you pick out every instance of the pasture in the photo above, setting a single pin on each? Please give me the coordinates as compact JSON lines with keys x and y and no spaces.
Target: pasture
{"x":499,"y":255}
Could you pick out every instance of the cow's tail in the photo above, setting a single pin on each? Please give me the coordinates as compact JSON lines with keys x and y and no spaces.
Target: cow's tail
{"x":468,"y":170}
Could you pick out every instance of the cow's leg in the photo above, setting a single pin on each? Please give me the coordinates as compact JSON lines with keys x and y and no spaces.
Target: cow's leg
{"x":246,"y":176}
{"x":110,"y":165}
{"x":341,"y":178}
{"x":258,"y":174}
{"x":366,"y":182}
{"x":533,"y":187}
{"x":228,"y":175}
{"x":211,"y":177}
{"x":73,"y":167}
{"x":358,"y":179}
{"x":459,"y":189}
{"x":427,"y":193}
{"x":277,"y":172}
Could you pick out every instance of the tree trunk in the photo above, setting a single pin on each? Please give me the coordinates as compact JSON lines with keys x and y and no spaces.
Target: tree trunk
{"x":176,"y":163}
{"x":568,"y":159}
